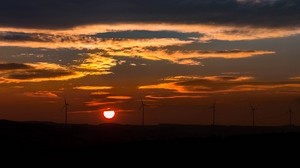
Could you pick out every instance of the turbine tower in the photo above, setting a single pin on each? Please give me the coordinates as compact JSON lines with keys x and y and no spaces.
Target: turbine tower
{"x":214,"y":107}
{"x":65,"y":107}
{"x":143,"y":111}
{"x":253,"y":109}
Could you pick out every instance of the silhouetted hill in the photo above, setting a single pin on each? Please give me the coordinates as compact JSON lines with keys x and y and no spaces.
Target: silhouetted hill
{"x":48,"y":136}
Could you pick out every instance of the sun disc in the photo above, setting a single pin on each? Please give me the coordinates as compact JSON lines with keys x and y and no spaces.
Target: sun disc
{"x":109,"y":114}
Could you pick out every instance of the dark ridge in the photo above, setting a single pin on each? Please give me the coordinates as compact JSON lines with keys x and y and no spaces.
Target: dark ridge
{"x":48,"y":136}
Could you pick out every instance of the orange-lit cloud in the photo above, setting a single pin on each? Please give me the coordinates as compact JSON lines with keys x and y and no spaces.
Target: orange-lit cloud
{"x":38,"y":72}
{"x":95,"y":103}
{"x":92,"y":88}
{"x":95,"y":43}
{"x":41,"y":94}
{"x":85,"y":37}
{"x":205,"y":90}
{"x":119,"y":97}
{"x":210,"y":32}
{"x":215,"y":85}
{"x":187,"y":57}
{"x":96,"y":64}
{"x":295,"y":78}
{"x":265,"y":87}
{"x":229,"y":78}
{"x":175,"y":97}
{"x":100,"y":93}
{"x":167,"y":86}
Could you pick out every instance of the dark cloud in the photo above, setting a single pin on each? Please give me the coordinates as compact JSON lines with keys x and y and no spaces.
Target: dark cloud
{"x":13,"y":66}
{"x":143,"y":34}
{"x":38,"y":73}
{"x":15,"y":36}
{"x":18,"y":71}
{"x":35,"y":37}
{"x":68,"y":13}
{"x":117,"y":35}
{"x":185,"y":49}
{"x":40,"y":37}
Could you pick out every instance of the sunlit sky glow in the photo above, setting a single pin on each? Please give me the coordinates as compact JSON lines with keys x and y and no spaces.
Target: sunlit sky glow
{"x":178,"y":56}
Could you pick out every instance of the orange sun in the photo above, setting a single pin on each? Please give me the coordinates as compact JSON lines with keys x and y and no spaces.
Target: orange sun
{"x":109,"y":114}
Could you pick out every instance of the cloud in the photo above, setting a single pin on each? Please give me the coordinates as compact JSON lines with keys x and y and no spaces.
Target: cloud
{"x":91,"y":34}
{"x":119,"y":97}
{"x":172,"y":86}
{"x":209,"y":78}
{"x":23,"y":36}
{"x":187,"y":57}
{"x":96,"y":64}
{"x":208,"y":85}
{"x":295,"y":78}
{"x":65,"y":13}
{"x":87,"y":42}
{"x":13,"y":66}
{"x":196,"y":87}
{"x":197,"y":84}
{"x":146,"y":34}
{"x":174,"y":97}
{"x":93,"y":88}
{"x":99,"y":93}
{"x":41,"y":94}
{"x":154,"y":45}
{"x":95,"y":103}
{"x":92,"y":64}
{"x":35,"y":72}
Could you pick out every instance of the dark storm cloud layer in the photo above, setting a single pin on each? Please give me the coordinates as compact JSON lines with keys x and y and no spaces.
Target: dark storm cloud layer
{"x":69,"y":13}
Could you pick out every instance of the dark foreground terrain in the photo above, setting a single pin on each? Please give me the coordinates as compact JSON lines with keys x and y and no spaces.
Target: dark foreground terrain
{"x":41,"y":136}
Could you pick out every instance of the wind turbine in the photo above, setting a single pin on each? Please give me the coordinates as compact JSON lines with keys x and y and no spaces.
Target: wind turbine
{"x":253,"y":109}
{"x":65,"y":107}
{"x":143,"y":111}
{"x":214,"y":107}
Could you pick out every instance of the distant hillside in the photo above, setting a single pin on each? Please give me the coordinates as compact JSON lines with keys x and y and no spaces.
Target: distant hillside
{"x":58,"y":137}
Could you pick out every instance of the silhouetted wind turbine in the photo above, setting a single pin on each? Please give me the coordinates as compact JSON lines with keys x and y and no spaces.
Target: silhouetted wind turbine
{"x":214,"y":107}
{"x":66,"y":110}
{"x":253,"y":109}
{"x":143,"y":111}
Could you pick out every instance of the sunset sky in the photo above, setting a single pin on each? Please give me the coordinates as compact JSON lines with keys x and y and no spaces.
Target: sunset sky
{"x":178,"y":55}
